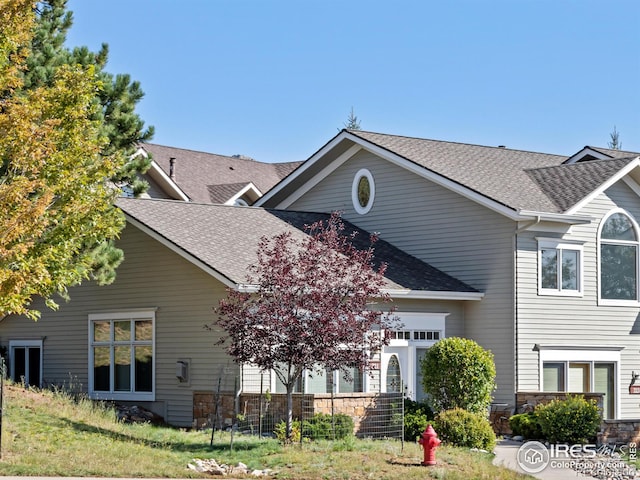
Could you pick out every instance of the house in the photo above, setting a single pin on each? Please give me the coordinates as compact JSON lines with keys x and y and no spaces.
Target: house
{"x":551,"y":241}
{"x":188,"y":175}
{"x":533,"y":255}
{"x":125,"y":341}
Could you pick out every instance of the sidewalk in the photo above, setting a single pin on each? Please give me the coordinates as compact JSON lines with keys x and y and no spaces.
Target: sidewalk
{"x":506,"y":455}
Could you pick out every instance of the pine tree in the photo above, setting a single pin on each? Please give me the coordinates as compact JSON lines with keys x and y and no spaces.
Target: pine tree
{"x":117,"y":99}
{"x":615,"y":143}
{"x":352,"y":122}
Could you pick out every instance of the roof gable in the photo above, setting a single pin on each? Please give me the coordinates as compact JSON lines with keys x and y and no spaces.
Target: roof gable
{"x":589,"y":153}
{"x":492,"y":176}
{"x":515,"y":183}
{"x":568,"y":184}
{"x":223,"y":241}
{"x":201,"y":176}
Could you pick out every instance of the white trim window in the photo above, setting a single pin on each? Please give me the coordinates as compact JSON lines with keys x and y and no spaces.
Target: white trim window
{"x":122,"y":355}
{"x":618,"y":262}
{"x":581,"y":370}
{"x":25,"y":361}
{"x":363,"y":191}
{"x":559,"y":267}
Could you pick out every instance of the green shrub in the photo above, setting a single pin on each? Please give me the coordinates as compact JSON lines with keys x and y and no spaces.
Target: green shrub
{"x":280,"y":431}
{"x":321,"y":425}
{"x":574,"y":420}
{"x":464,"y":429}
{"x":458,"y":373}
{"x":416,"y":417}
{"x":526,"y":425}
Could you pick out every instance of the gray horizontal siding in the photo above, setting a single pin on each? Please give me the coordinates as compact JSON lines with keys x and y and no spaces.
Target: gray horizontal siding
{"x":557,"y":320}
{"x":150,"y":276}
{"x":444,"y":229}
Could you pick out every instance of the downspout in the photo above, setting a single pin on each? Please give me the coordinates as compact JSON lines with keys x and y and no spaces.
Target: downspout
{"x":518,"y":231}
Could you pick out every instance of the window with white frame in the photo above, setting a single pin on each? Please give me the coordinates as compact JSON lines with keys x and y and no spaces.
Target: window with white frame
{"x":618,"y":259}
{"x":121,"y":355}
{"x":559,"y":267}
{"x":581,"y":371}
{"x":414,"y":335}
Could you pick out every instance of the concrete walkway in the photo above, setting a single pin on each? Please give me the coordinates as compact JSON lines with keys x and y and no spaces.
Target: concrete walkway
{"x":507,"y":456}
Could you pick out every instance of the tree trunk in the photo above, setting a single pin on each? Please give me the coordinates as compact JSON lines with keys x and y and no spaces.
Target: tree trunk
{"x":290,"y":388}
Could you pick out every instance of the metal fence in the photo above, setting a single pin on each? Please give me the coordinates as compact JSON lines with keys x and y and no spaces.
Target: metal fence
{"x":318,"y":413}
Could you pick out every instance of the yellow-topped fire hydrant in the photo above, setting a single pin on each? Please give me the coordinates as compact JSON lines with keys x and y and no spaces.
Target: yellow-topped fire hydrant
{"x":429,"y":441}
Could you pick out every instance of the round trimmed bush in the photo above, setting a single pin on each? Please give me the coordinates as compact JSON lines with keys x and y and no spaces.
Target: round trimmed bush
{"x":458,"y":373}
{"x":464,"y":429}
{"x":574,"y":420}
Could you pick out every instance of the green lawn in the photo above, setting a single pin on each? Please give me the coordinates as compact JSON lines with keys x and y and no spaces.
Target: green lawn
{"x":44,"y":433}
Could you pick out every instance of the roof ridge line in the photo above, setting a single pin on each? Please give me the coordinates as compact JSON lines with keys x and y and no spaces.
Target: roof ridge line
{"x":355,"y":132}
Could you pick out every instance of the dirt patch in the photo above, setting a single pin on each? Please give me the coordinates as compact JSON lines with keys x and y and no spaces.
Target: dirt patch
{"x":33,"y":396}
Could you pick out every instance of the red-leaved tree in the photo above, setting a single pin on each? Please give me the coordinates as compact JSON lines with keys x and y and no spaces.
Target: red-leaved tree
{"x":317,"y":305}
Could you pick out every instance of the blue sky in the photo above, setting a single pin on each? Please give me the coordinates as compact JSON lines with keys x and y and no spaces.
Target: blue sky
{"x":276,"y":79}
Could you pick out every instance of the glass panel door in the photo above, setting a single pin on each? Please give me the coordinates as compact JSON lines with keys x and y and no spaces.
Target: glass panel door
{"x":420,"y":395}
{"x":579,"y":377}
{"x":26,"y":365}
{"x":604,"y":382}
{"x":553,"y":377}
{"x":19,"y":364}
{"x":34,"y":377}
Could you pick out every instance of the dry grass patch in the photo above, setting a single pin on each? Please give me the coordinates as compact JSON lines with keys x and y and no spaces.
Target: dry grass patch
{"x":51,"y":434}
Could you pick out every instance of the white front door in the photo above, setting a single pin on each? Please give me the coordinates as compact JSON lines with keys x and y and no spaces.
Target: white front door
{"x":408,"y":345}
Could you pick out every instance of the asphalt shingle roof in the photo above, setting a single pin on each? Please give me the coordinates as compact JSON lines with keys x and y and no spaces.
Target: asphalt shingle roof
{"x":504,"y":175}
{"x":614,"y":153}
{"x":566,"y":185}
{"x":199,"y":173}
{"x":226,"y":239}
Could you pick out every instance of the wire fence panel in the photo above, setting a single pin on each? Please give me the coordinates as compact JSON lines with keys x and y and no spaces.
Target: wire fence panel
{"x":321,"y":414}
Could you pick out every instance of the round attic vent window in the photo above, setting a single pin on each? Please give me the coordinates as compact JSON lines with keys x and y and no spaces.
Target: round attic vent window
{"x":363,"y":191}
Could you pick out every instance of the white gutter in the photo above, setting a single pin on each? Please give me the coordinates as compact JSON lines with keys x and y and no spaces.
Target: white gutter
{"x":554,"y":217}
{"x":401,"y":293}
{"x":432,"y":295}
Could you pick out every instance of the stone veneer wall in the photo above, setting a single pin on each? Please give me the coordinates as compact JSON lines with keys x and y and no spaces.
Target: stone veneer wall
{"x":619,"y":432}
{"x":525,"y":399}
{"x":369,"y":411}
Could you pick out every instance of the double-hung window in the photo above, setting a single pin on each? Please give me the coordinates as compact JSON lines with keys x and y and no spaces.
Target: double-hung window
{"x":559,"y":267}
{"x":121,"y":355}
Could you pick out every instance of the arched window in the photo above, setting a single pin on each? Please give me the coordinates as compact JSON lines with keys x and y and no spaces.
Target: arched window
{"x":619,"y":258}
{"x":394,"y":379}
